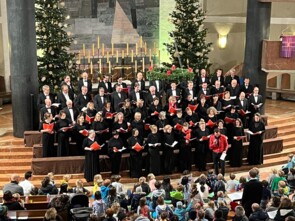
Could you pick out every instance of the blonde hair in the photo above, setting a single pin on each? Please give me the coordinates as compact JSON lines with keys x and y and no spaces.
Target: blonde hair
{"x":150,"y":176}
{"x":212,"y":108}
{"x":167,"y":127}
{"x":79,"y":184}
{"x":97,"y":179}
{"x":153,"y":128}
{"x":51,"y":214}
{"x":67,"y":177}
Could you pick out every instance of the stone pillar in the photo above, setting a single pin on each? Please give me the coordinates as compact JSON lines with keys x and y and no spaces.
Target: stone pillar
{"x":257,"y":29}
{"x":23,"y":64}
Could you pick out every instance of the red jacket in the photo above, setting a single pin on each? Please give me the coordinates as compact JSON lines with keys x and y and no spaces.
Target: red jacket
{"x":219,"y":147}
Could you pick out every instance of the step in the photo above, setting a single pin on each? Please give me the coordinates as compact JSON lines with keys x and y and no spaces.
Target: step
{"x":287,"y":138}
{"x":16,"y":162}
{"x":16,"y":155}
{"x":285,"y":153}
{"x":286,"y":131}
{"x":285,"y":125}
{"x":11,"y":169}
{"x":289,"y":144}
{"x":11,"y":141}
{"x":15,"y":149}
{"x":275,"y":121}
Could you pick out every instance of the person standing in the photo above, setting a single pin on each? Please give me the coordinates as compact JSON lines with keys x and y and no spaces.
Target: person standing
{"x":115,"y":152}
{"x":256,"y":130}
{"x":237,"y":144}
{"x":218,"y":144}
{"x":251,"y":187}
{"x":47,"y":129}
{"x":91,"y":157}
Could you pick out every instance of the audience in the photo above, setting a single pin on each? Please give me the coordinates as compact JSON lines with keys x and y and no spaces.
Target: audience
{"x":14,"y":186}
{"x":26,"y":184}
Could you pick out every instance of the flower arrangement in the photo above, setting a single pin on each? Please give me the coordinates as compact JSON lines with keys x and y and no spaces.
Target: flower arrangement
{"x":172,"y":74}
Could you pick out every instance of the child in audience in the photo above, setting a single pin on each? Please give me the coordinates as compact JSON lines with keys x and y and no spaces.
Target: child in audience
{"x":51,"y":177}
{"x":209,"y":211}
{"x":151,"y":179}
{"x":283,"y":185}
{"x":177,"y":195}
{"x":116,"y":183}
{"x":64,"y":184}
{"x":290,"y":164}
{"x":98,"y":206}
{"x":220,"y":198}
{"x":97,"y":182}
{"x":80,"y":188}
{"x":143,"y":209}
{"x":232,"y":184}
{"x":17,"y":198}
{"x":274,"y":173}
{"x":241,"y":184}
{"x":181,"y":212}
{"x":201,"y":215}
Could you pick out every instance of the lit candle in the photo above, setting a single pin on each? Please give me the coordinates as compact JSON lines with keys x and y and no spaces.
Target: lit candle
{"x":110,"y":68}
{"x":84,"y":51}
{"x":127,"y":49}
{"x":102,"y":50}
{"x":135,"y":66}
{"x":91,"y":68}
{"x":117,"y":56}
{"x":79,"y":58}
{"x":88,"y":56}
{"x":145,"y":48}
{"x":100,"y":65}
{"x":112,"y":49}
{"x":154,"y":48}
{"x":131,"y":56}
{"x":140,"y":41}
{"x":136,"y":49}
{"x":159,"y":57}
{"x":108,"y":57}
{"x":142,"y":64}
{"x":152,"y":63}
{"x":150,"y":50}
{"x":93,"y":50}
{"x":98,"y":42}
{"x":123,"y":54}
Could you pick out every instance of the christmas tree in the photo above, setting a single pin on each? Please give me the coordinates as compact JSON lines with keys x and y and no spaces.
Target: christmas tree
{"x":53,"y":41}
{"x":188,"y":47}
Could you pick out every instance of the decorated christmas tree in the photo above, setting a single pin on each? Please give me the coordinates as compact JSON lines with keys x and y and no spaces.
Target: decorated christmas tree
{"x":53,"y":42}
{"x":188,"y":47}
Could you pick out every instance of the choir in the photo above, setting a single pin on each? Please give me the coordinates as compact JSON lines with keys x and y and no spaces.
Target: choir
{"x":170,"y":117}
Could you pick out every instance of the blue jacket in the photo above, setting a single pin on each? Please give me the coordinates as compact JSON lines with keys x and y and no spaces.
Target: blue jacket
{"x":180,"y":212}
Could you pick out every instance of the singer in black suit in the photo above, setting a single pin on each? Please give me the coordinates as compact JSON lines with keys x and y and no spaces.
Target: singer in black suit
{"x":71,"y":112}
{"x":173,"y":91}
{"x":85,"y":82}
{"x":151,"y":95}
{"x":44,"y":95}
{"x":232,"y":75}
{"x":82,"y":99}
{"x":218,"y":76}
{"x":106,"y":84}
{"x":120,"y":83}
{"x":135,"y":95}
{"x":118,"y":97}
{"x":100,"y":100}
{"x":67,"y":81}
{"x":252,"y":192}
{"x":48,"y":108}
{"x":247,"y":87}
{"x":160,"y":86}
{"x":64,"y":95}
{"x":140,"y":81}
{"x":255,"y":102}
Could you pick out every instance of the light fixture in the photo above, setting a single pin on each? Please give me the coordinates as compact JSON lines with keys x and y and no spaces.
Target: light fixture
{"x":222,"y":41}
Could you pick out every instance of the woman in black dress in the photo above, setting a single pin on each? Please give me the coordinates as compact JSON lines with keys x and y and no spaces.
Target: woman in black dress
{"x":102,"y":131}
{"x":202,"y":108}
{"x":162,"y":122}
{"x":90,"y":113}
{"x":185,"y":152}
{"x":91,"y":166}
{"x":115,"y":147}
{"x":135,"y":144}
{"x":255,"y":151}
{"x":237,"y":144}
{"x":122,"y":127}
{"x":154,"y":145}
{"x":202,"y":149}
{"x":138,"y":124}
{"x":62,"y":126}
{"x":154,"y":110}
{"x":211,"y":120}
{"x":47,"y":129}
{"x":169,"y":144}
{"x":126,"y":109}
{"x":81,"y":132}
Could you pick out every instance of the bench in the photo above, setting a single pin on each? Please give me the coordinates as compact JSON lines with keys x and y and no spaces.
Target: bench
{"x":277,"y":94}
{"x":36,"y":205}
{"x":36,"y":215}
{"x":32,"y":199}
